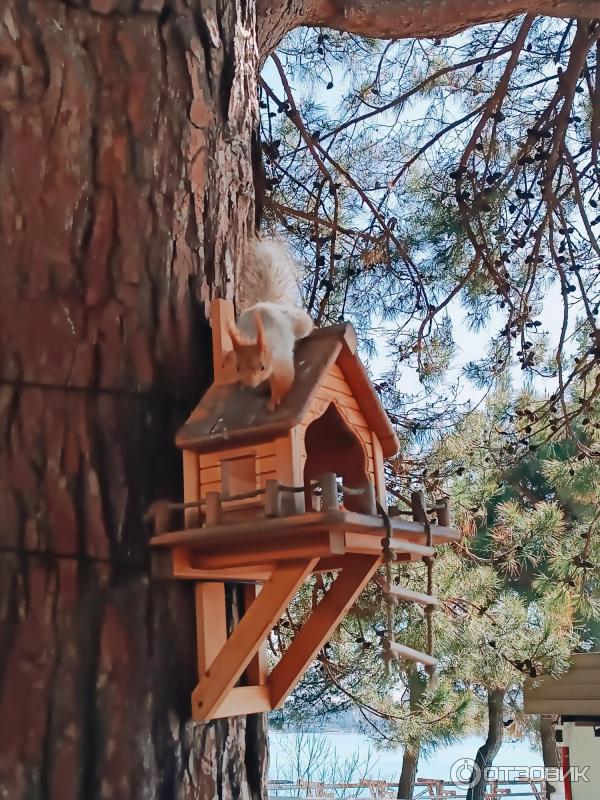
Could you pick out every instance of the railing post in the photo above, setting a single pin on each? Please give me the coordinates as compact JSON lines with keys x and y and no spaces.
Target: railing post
{"x":213,"y":508}
{"x":272,"y":499}
{"x":419,"y":506}
{"x":370,"y":499}
{"x":329,"y":492}
{"x":443,"y":514}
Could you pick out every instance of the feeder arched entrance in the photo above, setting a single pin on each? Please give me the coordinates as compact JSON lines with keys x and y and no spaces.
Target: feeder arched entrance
{"x":333,"y":446}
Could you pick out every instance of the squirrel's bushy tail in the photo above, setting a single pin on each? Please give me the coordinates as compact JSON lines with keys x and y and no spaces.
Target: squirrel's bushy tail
{"x":268,"y":275}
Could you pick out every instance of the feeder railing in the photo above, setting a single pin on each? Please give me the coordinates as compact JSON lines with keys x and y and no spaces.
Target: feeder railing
{"x":282,"y":500}
{"x":276,"y":501}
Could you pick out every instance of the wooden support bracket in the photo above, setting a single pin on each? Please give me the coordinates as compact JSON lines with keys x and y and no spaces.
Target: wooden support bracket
{"x":243,"y":644}
{"x":223,"y":661}
{"x":281,"y":553}
{"x":320,"y":625}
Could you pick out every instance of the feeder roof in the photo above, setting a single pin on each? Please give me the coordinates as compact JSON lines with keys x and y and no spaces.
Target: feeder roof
{"x":575,"y":693}
{"x":231,"y":415}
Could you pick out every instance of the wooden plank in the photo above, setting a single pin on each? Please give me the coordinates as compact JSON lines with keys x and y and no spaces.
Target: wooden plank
{"x":362,"y":432}
{"x":348,"y":408}
{"x":363,"y":543}
{"x":369,"y":401}
{"x":297,"y":443}
{"x":243,"y":700}
{"x":319,"y":626}
{"x":183,"y":569}
{"x":555,"y":690}
{"x":408,"y":595}
{"x":409,"y":654}
{"x":211,"y":623}
{"x":259,"y":450}
{"x":330,"y":563}
{"x":267,"y":464}
{"x":244,"y":511}
{"x":210,"y":474}
{"x":252,"y":553}
{"x":257,"y":669}
{"x":415,"y":532}
{"x":402,"y":546}
{"x":213,"y":486}
{"x":284,"y":459}
{"x":314,"y":521}
{"x":264,"y":534}
{"x":378,"y":470}
{"x":181,"y":560}
{"x":337,"y":388}
{"x":256,"y":573}
{"x":191,"y":487}
{"x":371,"y":472}
{"x":586,"y":661}
{"x":336,"y":370}
{"x":288,"y":472}
{"x":575,"y":708}
{"x":367,"y":543}
{"x":248,"y":635}
{"x":263,"y":477}
{"x":572,"y":677}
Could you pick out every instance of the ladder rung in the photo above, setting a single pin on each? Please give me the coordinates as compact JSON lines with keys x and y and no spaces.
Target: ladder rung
{"x":402,"y":651}
{"x":401,"y":546}
{"x":402,"y":593}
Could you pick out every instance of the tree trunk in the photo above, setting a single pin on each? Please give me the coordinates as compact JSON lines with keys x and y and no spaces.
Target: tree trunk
{"x":408,"y":776}
{"x":549,"y":748}
{"x":125,"y":200}
{"x":410,"y":757}
{"x":489,"y":749}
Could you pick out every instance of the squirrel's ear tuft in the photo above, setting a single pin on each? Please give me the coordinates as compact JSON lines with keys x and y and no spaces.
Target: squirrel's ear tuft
{"x":261,"y":340}
{"x":237,"y":339}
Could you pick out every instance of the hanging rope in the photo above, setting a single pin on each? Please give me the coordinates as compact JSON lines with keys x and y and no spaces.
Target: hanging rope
{"x":431,"y":671}
{"x":388,"y":560}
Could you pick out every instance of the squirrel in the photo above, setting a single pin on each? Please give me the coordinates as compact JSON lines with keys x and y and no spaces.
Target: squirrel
{"x":270,"y":320}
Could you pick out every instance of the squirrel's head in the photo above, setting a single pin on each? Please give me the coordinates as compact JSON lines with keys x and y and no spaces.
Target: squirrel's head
{"x":252,"y":356}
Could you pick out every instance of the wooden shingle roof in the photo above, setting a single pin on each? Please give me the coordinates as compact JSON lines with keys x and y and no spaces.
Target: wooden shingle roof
{"x":231,"y":415}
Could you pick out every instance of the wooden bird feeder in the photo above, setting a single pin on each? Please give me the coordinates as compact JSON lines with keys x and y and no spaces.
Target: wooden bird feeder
{"x":270,"y":498}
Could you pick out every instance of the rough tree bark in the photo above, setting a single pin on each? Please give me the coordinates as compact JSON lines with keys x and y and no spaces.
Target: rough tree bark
{"x":125,"y":200}
{"x":410,"y":757}
{"x":489,"y":749}
{"x":549,"y":748}
{"x":402,"y":19}
{"x":408,"y":776}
